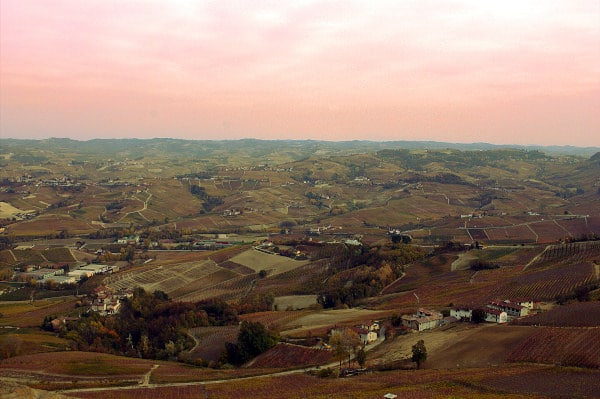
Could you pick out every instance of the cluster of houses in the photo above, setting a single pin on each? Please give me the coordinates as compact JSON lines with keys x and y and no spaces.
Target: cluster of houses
{"x":424,"y":319}
{"x":493,"y":312}
{"x":496,"y":311}
{"x":368,"y":332}
{"x":232,"y":212}
{"x":129,"y":240}
{"x":107,"y":302}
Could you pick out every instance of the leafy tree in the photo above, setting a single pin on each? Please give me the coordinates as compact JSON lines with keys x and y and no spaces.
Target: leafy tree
{"x":253,"y":340}
{"x":361,"y":357}
{"x":419,"y":353}
{"x":344,"y":342}
{"x":10,"y":346}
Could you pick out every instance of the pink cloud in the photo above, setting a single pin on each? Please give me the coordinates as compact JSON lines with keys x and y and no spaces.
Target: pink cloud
{"x":320,"y":69}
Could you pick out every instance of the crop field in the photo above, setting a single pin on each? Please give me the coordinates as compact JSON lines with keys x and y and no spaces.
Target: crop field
{"x":568,"y":253}
{"x":566,"y":346}
{"x":275,"y":320}
{"x":295,"y":302}
{"x":418,"y":273}
{"x":32,"y":342}
{"x":292,"y":282}
{"x":460,"y":345}
{"x":580,"y":314}
{"x":211,"y":341}
{"x":543,"y":381}
{"x":530,"y":382}
{"x":577,"y":227}
{"x":452,"y":287}
{"x":236,"y":267}
{"x":478,"y":234}
{"x":326,"y":318}
{"x":78,"y":365}
{"x":444,"y":235}
{"x":49,"y":225}
{"x":548,"y":231}
{"x":465,"y":286}
{"x":520,"y":234}
{"x":286,"y":355}
{"x":518,"y":255}
{"x":273,"y":264}
{"x":227,"y":253}
{"x":24,"y":255}
{"x":31,"y":314}
{"x":498,"y":234}
{"x":593,"y":222}
{"x":202,"y":284}
{"x":39,"y":200}
{"x":177,"y":280}
{"x":7,"y":211}
{"x":546,"y":284}
{"x":232,"y":289}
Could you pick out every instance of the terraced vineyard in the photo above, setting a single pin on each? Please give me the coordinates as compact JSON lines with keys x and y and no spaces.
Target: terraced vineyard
{"x":178,"y":280}
{"x":573,"y":252}
{"x":230,"y":290}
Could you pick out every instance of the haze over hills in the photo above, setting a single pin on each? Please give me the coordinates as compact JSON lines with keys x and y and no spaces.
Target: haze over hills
{"x":198,"y":147}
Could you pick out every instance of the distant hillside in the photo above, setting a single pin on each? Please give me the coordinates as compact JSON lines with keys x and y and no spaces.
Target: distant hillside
{"x":295,"y":149}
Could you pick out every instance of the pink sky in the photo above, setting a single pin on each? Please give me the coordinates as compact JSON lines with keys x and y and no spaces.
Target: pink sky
{"x":506,"y":72}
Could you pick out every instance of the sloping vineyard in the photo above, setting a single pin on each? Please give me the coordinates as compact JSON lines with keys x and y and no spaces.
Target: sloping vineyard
{"x":573,"y":252}
{"x":579,"y":347}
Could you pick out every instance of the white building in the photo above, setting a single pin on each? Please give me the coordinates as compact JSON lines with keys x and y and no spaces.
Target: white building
{"x":511,"y":309}
{"x":79,"y":274}
{"x":424,"y":320}
{"x":495,"y":316}
{"x":96,"y":268}
{"x":462,"y":313}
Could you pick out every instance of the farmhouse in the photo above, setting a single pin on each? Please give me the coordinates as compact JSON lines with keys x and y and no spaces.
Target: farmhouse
{"x":495,"y":316}
{"x":370,"y":325}
{"x":423,"y":320}
{"x":461,"y":313}
{"x":109,"y":303}
{"x":511,"y":309}
{"x":131,"y":240}
{"x":496,"y":311}
{"x":366,"y":336}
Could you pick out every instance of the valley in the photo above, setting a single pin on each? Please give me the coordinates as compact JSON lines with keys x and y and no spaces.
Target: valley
{"x":135,"y":267}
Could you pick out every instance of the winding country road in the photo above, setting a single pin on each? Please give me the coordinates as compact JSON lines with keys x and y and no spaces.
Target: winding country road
{"x":145,"y":381}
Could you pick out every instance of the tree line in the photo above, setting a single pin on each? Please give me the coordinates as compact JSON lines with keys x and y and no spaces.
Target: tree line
{"x":148,"y":326}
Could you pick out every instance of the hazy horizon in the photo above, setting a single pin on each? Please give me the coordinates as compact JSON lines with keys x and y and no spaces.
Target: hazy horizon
{"x":464,"y":71}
